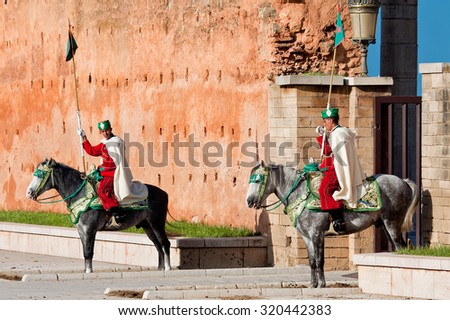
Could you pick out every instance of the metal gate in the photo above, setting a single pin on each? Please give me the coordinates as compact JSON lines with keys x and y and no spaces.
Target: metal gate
{"x":398,"y":144}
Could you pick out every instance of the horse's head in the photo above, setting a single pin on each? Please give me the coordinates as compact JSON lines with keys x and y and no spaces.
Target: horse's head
{"x":41,"y":182}
{"x":278,"y":179}
{"x":257,"y":189}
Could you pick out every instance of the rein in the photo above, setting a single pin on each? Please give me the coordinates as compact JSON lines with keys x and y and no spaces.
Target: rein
{"x":63,"y":199}
{"x":44,"y":172}
{"x":263,"y":174}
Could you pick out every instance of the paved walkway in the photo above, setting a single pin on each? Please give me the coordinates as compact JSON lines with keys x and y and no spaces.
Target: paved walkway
{"x":33,"y":276}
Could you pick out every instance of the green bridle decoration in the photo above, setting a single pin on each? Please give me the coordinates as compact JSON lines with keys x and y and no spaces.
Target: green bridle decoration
{"x":261,"y":175}
{"x":44,"y":172}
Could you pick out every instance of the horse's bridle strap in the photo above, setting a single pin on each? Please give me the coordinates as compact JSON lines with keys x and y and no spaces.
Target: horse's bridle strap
{"x":43,"y":172}
{"x":260,"y":176}
{"x":263,"y":175}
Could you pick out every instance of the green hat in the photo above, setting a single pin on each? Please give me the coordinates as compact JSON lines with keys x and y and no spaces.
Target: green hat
{"x":104,"y":125}
{"x":330,"y":113}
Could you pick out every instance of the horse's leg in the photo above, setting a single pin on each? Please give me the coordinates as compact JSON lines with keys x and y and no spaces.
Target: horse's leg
{"x":166,"y":252}
{"x":152,"y":236}
{"x":312,"y":227}
{"x":393,"y":231}
{"x":399,"y":199}
{"x":87,"y":237}
{"x":160,"y":232}
{"x":312,"y":260}
{"x":158,"y":202}
{"x":316,"y":257}
{"x":319,"y":244}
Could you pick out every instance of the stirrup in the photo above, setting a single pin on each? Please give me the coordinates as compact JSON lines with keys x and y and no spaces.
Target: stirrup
{"x":331,"y":232}
{"x":112,"y":224}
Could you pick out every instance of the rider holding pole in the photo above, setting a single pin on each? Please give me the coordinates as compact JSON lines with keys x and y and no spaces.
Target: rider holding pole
{"x":107,"y":168}
{"x":343,"y":180}
{"x":116,"y":184}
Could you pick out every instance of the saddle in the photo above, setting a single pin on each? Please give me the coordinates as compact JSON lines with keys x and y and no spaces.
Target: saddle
{"x":92,"y":201}
{"x":371,"y":201}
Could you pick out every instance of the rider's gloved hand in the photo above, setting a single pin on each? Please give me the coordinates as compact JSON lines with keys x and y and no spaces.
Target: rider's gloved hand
{"x":320,"y":130}
{"x":81,"y":132}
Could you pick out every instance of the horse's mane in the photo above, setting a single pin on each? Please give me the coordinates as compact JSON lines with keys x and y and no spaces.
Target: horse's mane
{"x":284,"y":173}
{"x":65,"y":166}
{"x":59,"y":165}
{"x":282,"y":167}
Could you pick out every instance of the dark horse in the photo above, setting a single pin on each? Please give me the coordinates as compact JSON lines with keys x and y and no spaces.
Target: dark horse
{"x":70,"y":185}
{"x":399,"y":201}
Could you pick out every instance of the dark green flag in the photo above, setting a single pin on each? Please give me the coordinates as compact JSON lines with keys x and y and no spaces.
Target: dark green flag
{"x":71,"y":47}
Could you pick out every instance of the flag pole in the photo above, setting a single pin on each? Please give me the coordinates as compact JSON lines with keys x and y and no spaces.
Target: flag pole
{"x":337,"y":41}
{"x":339,"y":35}
{"x":328,"y":103}
{"x":71,"y":39}
{"x":331,"y":78}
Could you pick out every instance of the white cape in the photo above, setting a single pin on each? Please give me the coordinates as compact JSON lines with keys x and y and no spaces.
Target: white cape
{"x":348,"y":168}
{"x":126,"y":190}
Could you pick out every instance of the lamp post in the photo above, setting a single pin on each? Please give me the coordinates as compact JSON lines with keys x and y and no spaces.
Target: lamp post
{"x":364,"y":14}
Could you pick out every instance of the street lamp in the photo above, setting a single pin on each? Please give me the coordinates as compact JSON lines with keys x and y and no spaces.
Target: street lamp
{"x":364,"y":14}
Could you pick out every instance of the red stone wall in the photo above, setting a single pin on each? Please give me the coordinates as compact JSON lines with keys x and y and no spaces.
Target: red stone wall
{"x":186,"y":79}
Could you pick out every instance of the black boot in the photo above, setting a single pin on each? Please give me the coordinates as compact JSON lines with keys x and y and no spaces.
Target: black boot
{"x":337,"y":224}
{"x":338,"y":220}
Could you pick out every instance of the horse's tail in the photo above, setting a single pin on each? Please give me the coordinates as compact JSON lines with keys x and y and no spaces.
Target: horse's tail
{"x":408,"y":221}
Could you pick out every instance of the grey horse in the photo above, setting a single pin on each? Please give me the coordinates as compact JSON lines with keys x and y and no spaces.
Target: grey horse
{"x":70,"y":185}
{"x":399,"y":201}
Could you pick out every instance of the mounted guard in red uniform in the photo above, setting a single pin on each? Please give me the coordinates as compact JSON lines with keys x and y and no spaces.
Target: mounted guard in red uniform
{"x":116,"y":186}
{"x":343,"y":174}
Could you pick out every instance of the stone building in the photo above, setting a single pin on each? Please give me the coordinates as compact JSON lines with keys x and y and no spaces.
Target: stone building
{"x":435,"y":152}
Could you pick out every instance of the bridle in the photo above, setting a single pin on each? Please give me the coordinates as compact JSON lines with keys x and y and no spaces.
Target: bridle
{"x":44,"y":172}
{"x":261,"y":176}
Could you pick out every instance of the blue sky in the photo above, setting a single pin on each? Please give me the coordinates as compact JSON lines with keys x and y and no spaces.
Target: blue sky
{"x":433,"y":36}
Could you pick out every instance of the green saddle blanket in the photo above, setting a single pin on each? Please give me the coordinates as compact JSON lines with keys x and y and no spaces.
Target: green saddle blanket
{"x":92,"y":201}
{"x":371,"y":201}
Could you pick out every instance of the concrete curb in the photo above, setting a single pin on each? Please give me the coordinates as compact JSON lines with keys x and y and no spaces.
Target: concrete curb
{"x":261,"y":290}
{"x":254,"y":283}
{"x":132,"y":273}
{"x":259,"y":293}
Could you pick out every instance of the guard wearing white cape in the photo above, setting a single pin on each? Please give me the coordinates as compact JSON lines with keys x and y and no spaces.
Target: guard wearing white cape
{"x":126,"y":190}
{"x":348,"y":168}
{"x":116,"y":186}
{"x":343,"y":175}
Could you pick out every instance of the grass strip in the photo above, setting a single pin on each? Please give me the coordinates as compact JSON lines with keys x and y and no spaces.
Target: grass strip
{"x":173,"y":228}
{"x":437,"y":251}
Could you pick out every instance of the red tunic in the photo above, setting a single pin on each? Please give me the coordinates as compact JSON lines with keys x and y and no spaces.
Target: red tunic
{"x":330,"y":181}
{"x":107,"y":169}
{"x":108,"y":166}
